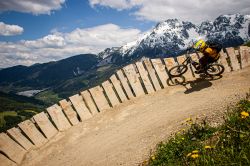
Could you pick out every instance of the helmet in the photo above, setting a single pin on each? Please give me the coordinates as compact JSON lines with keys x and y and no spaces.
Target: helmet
{"x":200,"y":45}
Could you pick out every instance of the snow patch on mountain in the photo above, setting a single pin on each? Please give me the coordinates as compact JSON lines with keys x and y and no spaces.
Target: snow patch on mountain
{"x":171,"y":37}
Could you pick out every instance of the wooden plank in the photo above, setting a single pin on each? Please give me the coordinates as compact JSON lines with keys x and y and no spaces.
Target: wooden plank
{"x":45,"y":125}
{"x":152,"y":74}
{"x":188,"y":75}
{"x":4,"y":161}
{"x":16,"y":134}
{"x":133,"y":79}
{"x":33,"y":133}
{"x":245,"y":56}
{"x":194,"y":57}
{"x":118,"y":87}
{"x":161,"y":71}
{"x":125,"y":84}
{"x":69,"y":112}
{"x":99,"y":98}
{"x":199,"y":54}
{"x":11,"y":149}
{"x":108,"y":88}
{"x":237,"y":54}
{"x":233,"y":59}
{"x":145,"y":77}
{"x":89,"y":102}
{"x":224,"y":62}
{"x":80,"y":107}
{"x":181,"y":59}
{"x":57,"y":116}
{"x":169,"y":62}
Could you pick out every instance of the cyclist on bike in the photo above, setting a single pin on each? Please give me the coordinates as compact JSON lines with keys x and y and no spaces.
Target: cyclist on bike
{"x":210,"y":50}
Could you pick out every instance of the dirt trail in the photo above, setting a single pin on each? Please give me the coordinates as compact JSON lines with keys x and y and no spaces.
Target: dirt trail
{"x":125,"y":135}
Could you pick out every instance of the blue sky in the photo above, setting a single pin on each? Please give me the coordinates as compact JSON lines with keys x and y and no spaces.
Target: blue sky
{"x":34,"y":31}
{"x":73,"y":14}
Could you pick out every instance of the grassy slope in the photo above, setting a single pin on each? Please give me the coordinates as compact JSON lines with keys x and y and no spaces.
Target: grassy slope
{"x":75,"y":85}
{"x":201,"y":144}
{"x":15,"y":108}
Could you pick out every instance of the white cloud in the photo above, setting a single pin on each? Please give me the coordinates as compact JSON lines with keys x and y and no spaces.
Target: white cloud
{"x":31,"y":6}
{"x":118,"y":4}
{"x":61,"y":45}
{"x":10,"y":30}
{"x":191,"y":10}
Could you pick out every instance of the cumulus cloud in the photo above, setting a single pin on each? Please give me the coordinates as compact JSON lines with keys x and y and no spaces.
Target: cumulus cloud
{"x":58,"y":45}
{"x":191,"y":10}
{"x":10,"y":30}
{"x":31,"y":6}
{"x":118,"y":4}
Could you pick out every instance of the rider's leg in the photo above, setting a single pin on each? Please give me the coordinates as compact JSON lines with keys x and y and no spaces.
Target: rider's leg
{"x":202,"y":63}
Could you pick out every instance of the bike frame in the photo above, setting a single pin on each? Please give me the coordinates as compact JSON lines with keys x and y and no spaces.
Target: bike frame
{"x":187,"y":61}
{"x":190,"y":61}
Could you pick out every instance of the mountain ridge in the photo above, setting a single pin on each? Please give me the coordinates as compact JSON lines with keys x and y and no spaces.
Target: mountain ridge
{"x":171,"y":37}
{"x":168,"y":38}
{"x":47,"y":74}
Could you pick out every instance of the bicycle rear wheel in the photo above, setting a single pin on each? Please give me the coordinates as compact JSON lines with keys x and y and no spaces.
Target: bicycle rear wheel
{"x":178,"y":70}
{"x":214,"y":69}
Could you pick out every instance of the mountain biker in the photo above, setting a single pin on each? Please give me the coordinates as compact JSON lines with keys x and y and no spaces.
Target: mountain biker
{"x":210,"y":51}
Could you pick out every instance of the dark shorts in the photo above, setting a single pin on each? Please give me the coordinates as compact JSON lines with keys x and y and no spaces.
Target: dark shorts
{"x":205,"y":60}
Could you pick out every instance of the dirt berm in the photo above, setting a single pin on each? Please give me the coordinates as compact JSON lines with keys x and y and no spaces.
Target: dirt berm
{"x":125,"y":135}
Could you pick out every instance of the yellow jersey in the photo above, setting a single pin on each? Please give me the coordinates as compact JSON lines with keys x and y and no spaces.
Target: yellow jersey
{"x":211,"y":53}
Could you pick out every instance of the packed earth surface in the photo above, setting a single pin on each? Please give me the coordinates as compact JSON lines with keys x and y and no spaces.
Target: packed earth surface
{"x":129,"y":133}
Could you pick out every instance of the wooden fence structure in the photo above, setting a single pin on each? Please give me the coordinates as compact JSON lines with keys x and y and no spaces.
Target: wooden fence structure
{"x":134,"y":80}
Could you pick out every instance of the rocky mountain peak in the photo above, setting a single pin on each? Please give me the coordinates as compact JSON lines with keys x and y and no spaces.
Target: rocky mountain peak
{"x":172,"y":36}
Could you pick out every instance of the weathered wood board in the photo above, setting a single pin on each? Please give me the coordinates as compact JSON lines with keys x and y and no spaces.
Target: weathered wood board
{"x":89,"y":102}
{"x":69,"y":111}
{"x":9,"y":147}
{"x":99,"y":98}
{"x":80,"y":107}
{"x":145,"y":77}
{"x":125,"y":84}
{"x":161,"y":71}
{"x":33,"y":133}
{"x":152,"y":74}
{"x":57,"y":116}
{"x":118,"y":87}
{"x":133,"y":79}
{"x":108,"y":88}
{"x":45,"y":125}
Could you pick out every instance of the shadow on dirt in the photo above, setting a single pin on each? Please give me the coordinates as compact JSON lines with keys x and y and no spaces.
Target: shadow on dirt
{"x":200,"y":83}
{"x":195,"y":85}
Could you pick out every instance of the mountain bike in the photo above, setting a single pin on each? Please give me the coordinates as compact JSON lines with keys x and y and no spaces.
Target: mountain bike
{"x":212,"y":69}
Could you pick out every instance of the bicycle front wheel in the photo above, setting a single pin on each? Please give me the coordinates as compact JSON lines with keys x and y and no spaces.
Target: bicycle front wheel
{"x":178,"y":70}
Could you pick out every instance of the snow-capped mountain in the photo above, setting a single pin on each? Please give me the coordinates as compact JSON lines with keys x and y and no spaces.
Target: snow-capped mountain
{"x":171,"y":37}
